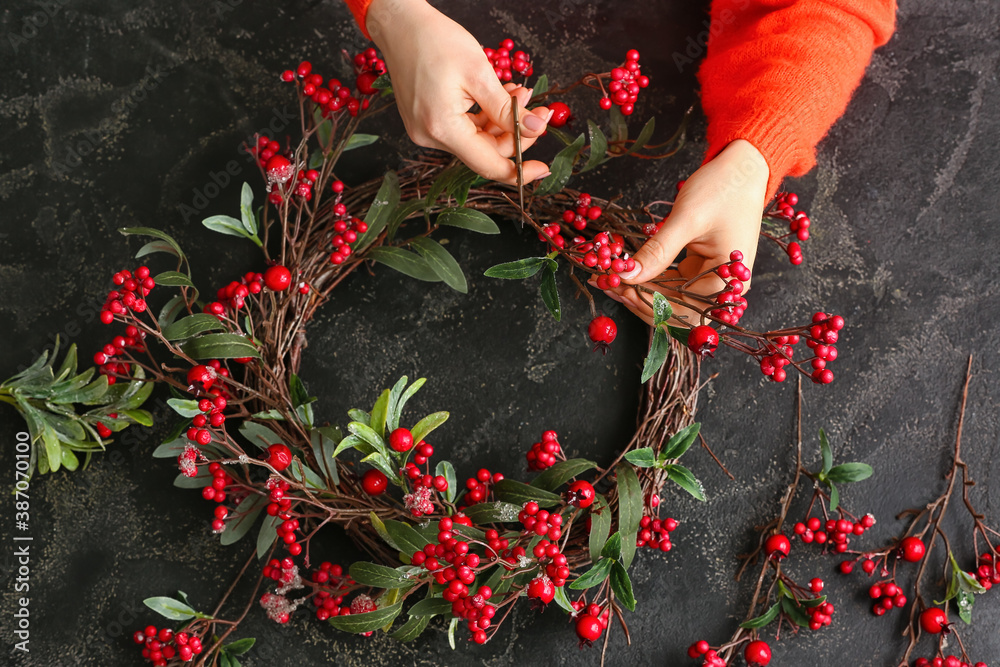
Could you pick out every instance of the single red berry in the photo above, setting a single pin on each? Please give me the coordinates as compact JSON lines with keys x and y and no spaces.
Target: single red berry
{"x":560,"y":114}
{"x":816,"y":585}
{"x":374,"y":482}
{"x":933,"y":620}
{"x":277,"y":278}
{"x":401,"y":440}
{"x":581,"y":494}
{"x":757,"y":654}
{"x":278,"y":169}
{"x":912,"y":549}
{"x":777,"y":546}
{"x":365,"y":81}
{"x":703,"y":340}
{"x":602,"y":331}
{"x":279,"y":456}
{"x":588,"y":628}
{"x":542,"y":588}
{"x":203,"y":375}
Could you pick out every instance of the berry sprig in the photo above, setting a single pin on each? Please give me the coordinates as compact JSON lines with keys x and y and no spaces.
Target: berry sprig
{"x":782,"y":213}
{"x":624,"y":85}
{"x":507,"y":61}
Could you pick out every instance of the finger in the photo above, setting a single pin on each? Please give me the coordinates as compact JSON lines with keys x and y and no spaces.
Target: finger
{"x":660,"y":250}
{"x":505,"y":142}
{"x":497,"y":104}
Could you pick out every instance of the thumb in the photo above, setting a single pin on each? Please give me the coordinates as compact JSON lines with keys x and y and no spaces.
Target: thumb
{"x":495,"y":102}
{"x":659,"y":251}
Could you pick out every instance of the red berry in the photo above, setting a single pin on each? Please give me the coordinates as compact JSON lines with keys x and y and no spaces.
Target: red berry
{"x":757,"y":654}
{"x":374,"y":482}
{"x":401,"y":440}
{"x":588,"y":628}
{"x":203,"y":375}
{"x":542,"y":588}
{"x":703,"y":340}
{"x":279,"y":456}
{"x":278,"y":169}
{"x":365,"y":81}
{"x":602,"y":331}
{"x":581,"y":494}
{"x":933,"y":620}
{"x":277,"y":278}
{"x":912,"y":549}
{"x":560,"y":114}
{"x":777,"y":546}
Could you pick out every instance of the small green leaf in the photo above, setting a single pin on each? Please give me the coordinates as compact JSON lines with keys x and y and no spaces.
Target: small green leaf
{"x":380,"y":461}
{"x":367,"y":434}
{"x":451,"y":633}
{"x":240,"y":646}
{"x":225,"y":224}
{"x":629,"y":509}
{"x":645,"y":134}
{"x":562,"y":600}
{"x":594,"y":576}
{"x":367,"y":622}
{"x":550,"y":292}
{"x":794,"y":612}
{"x":498,"y":512}
{"x":247,"y":218}
{"x":170,"y":608}
{"x":267,"y":535}
{"x":600,"y":526}
{"x":442,"y":263}
{"x":468,"y":218}
{"x":657,"y":354}
{"x":763,"y":619}
{"x":680,"y":334}
{"x":685,"y":479}
{"x":399,"y":400}
{"x":561,"y":168}
{"x":430,"y":607}
{"x":522,"y":268}
{"x":824,"y":448}
{"x":173,"y":279}
{"x":154,"y":247}
{"x":383,"y":83}
{"x":220,"y":346}
{"x":187,"y":408}
{"x":258,"y":434}
{"x":379,"y":527}
{"x":425,"y":426}
{"x":641,"y":458}
{"x":155,"y":233}
{"x":403,"y":213}
{"x":406,"y":262}
{"x":413,"y":628}
{"x":613,"y":547}
{"x":662,"y":310}
{"x":378,"y":576}
{"x":191,"y":326}
{"x":849,"y":472}
{"x":297,"y":391}
{"x":622,"y":585}
{"x":519,"y":493}
{"x":834,"y":496}
{"x":447,"y":470}
{"x":385,"y":202}
{"x":557,"y":475}
{"x":242,"y":519}
{"x":964,"y":603}
{"x":680,"y":442}
{"x":619,"y":129}
{"x":404,"y":535}
{"x":541,"y":86}
{"x":598,"y":146}
{"x":359,"y":140}
{"x":171,"y":309}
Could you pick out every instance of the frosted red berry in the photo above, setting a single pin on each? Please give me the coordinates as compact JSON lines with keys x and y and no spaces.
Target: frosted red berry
{"x":703,"y":340}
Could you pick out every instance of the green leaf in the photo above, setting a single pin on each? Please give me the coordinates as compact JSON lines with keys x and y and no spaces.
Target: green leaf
{"x":430,"y":607}
{"x":498,"y":512}
{"x":258,"y":434}
{"x":379,"y":576}
{"x":541,"y":86}
{"x":657,"y":354}
{"x":680,"y":334}
{"x":600,"y":526}
{"x":641,"y":458}
{"x":170,"y":608}
{"x":619,"y":128}
{"x":561,"y":168}
{"x":155,"y":233}
{"x":379,"y":527}
{"x":191,"y":326}
{"x":680,"y":442}
{"x":763,"y":619}
{"x":662,"y":310}
{"x":557,"y":475}
{"x":303,"y":474}
{"x":468,"y":218}
{"x":220,"y":346}
{"x":594,"y":576}
{"x":225,"y":224}
{"x":404,"y":261}
{"x":622,"y":585}
{"x":142,"y":417}
{"x":645,"y":134}
{"x":297,"y":391}
{"x":380,"y":461}
{"x":154,"y":247}
{"x":426,"y":425}
{"x":824,"y":448}
{"x":442,"y":263}
{"x":834,"y":496}
{"x":242,"y":519}
{"x":360,"y":416}
{"x":613,"y":547}
{"x":173,"y":279}
{"x":522,"y":268}
{"x":396,"y":406}
{"x":562,"y":600}
{"x":199,"y":481}
{"x":406,"y":538}
{"x":966,"y":583}
{"x":225,"y":660}
{"x":350,"y":442}
{"x":171,"y":449}
{"x":385,"y":202}
{"x":324,"y":441}
{"x":550,"y":292}
{"x":519,"y":493}
{"x":359,"y":140}
{"x":267,"y":535}
{"x":383,"y":83}
{"x":402,"y":213}
{"x":240,"y":646}
{"x":794,"y":612}
{"x":447,"y":470}
{"x":813,"y":602}
{"x":598,"y":146}
{"x":849,"y":472}
{"x":184,"y":407}
{"x":451,"y":633}
{"x":629,"y":509}
{"x":367,"y":434}
{"x":685,"y":479}
{"x":171,"y":309}
{"x":964,"y":603}
{"x":413,"y":628}
{"x":367,"y":622}
{"x":247,"y":218}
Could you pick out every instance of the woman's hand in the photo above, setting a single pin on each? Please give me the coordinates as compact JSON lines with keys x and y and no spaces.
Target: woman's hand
{"x":439,"y":71}
{"x":717,"y":211}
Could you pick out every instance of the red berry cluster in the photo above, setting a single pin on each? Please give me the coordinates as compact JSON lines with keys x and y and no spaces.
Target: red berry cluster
{"x":545,"y":453}
{"x":130,"y":294}
{"x":987,"y":574}
{"x":820,"y":615}
{"x":822,"y":336}
{"x":582,"y":213}
{"x":235,"y":293}
{"x":773,"y":365}
{"x":328,"y":602}
{"x":285,"y":572}
{"x":655,"y":533}
{"x":105,"y":359}
{"x":506,"y":61}
{"x":368,"y":67}
{"x":211,"y":416}
{"x":279,"y":608}
{"x":334,"y":96}
{"x":835,"y":534}
{"x":701,"y":650}
{"x":474,"y":609}
{"x":478,"y":488}
{"x":346,"y":227}
{"x":886,"y":595}
{"x":280,"y":505}
{"x":731,"y":304}
{"x":160,"y":646}
{"x":626,"y":82}
{"x":216,"y":491}
{"x":541,"y":522}
{"x":265,"y":150}
{"x":950,"y":661}
{"x":798,"y":224}
{"x":591,"y":623}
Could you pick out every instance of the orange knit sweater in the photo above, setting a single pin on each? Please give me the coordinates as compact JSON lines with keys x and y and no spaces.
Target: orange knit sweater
{"x":779,"y":73}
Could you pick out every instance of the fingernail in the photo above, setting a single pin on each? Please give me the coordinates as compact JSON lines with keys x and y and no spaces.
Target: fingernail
{"x":629,"y":275}
{"x":534,"y":123}
{"x":545,"y":175}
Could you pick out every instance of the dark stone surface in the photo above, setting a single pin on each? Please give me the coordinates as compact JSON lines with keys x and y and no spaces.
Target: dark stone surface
{"x":904,"y":202}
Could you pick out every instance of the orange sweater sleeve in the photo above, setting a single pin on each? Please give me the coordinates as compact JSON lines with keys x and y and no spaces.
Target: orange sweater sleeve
{"x":360,"y":10}
{"x":779,"y":73}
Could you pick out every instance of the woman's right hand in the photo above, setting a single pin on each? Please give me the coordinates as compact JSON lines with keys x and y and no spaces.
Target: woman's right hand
{"x":439,"y":71}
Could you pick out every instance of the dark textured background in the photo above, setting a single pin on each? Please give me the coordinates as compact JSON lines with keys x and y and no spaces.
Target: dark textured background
{"x":904,"y":240}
